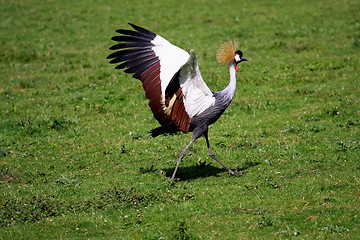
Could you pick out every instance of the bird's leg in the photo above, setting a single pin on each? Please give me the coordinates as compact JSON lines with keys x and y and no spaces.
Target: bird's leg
{"x":181,"y":156}
{"x":212,"y":155}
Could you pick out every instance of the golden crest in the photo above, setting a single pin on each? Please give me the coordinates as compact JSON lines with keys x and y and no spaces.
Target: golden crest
{"x":226,"y":51}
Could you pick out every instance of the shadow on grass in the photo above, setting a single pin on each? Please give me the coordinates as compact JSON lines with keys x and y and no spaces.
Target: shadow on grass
{"x":202,"y":170}
{"x":194,"y":172}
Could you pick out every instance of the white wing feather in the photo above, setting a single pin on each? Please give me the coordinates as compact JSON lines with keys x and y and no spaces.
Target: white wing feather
{"x":171,"y":57}
{"x":197,"y":96}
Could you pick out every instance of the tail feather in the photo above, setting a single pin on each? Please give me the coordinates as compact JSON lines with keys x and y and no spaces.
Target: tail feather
{"x":167,"y":128}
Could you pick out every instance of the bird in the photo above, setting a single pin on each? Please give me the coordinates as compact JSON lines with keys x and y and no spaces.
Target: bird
{"x":178,"y":96}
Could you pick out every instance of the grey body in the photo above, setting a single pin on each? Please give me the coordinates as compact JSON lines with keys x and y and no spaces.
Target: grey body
{"x":201,"y":122}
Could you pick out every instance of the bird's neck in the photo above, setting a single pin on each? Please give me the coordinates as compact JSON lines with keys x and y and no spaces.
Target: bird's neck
{"x":229,"y":91}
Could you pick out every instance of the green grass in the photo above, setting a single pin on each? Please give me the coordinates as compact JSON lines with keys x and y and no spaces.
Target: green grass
{"x":76,"y":158}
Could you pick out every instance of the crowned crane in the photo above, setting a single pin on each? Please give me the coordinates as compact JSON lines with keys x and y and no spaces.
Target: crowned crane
{"x":179,"y":98}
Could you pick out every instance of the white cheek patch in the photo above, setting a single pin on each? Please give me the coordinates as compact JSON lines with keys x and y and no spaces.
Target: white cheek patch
{"x":237,"y":58}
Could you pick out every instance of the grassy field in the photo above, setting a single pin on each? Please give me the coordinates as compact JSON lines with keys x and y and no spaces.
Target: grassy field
{"x":76,"y":158}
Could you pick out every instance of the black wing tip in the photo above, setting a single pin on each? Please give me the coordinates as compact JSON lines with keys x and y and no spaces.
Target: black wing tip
{"x":134,"y":26}
{"x":142,"y":30}
{"x":137,"y":41}
{"x":138,"y":28}
{"x":131,"y":24}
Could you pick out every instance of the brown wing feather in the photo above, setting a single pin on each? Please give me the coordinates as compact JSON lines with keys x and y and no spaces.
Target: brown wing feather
{"x":178,"y":114}
{"x":152,"y":86}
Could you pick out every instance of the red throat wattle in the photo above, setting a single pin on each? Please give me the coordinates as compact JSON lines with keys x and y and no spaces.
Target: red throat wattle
{"x":236,"y":68}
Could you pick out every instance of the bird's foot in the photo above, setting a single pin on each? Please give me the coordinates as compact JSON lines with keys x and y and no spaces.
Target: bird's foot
{"x":236,"y":173}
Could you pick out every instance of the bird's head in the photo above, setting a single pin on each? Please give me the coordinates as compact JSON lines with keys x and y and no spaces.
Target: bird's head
{"x":238,"y":58}
{"x":228,"y":54}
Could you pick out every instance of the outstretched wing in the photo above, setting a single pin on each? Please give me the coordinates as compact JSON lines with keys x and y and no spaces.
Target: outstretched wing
{"x":156,"y":62}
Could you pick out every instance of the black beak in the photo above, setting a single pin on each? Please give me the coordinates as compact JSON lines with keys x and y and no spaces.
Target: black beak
{"x":242,"y":59}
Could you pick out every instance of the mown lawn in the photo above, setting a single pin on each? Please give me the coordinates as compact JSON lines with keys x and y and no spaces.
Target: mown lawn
{"x":76,"y":158}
